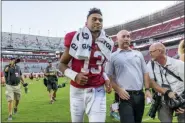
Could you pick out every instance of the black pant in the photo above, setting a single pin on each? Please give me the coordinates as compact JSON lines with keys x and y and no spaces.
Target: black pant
{"x":131,"y":111}
{"x":116,"y":97}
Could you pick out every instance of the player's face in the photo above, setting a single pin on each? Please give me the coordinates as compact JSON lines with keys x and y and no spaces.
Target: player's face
{"x":95,"y":22}
{"x":124,"y":39}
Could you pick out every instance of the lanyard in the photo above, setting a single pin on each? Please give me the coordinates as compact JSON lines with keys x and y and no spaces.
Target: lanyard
{"x":165,"y":76}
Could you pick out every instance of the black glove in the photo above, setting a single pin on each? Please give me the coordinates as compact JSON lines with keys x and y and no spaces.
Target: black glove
{"x":25,"y":84}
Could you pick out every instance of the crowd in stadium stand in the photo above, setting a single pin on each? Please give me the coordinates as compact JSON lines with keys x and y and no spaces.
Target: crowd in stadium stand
{"x":169,"y":26}
{"x":21,"y":41}
{"x":31,"y":57}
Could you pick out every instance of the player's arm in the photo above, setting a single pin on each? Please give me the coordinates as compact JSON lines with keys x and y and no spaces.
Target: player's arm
{"x":65,"y":59}
{"x":80,"y":78}
{"x":63,"y":67}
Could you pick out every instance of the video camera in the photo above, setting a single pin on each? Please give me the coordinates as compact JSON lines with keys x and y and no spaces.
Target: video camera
{"x":156,"y":104}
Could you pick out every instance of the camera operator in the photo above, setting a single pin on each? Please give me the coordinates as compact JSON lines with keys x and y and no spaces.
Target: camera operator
{"x":52,"y":81}
{"x":167,"y":78}
{"x":13,"y":76}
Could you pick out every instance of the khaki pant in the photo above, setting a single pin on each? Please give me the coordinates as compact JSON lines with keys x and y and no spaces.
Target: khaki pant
{"x":13,"y":92}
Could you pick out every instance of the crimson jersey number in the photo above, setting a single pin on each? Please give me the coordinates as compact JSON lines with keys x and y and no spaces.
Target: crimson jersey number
{"x":99,"y":63}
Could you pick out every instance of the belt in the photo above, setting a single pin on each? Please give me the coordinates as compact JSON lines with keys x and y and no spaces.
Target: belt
{"x":131,"y":92}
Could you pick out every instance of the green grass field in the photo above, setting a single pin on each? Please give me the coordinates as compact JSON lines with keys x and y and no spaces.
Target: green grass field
{"x":34,"y":106}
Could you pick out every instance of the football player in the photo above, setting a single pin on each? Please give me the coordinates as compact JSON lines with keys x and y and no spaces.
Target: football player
{"x":87,"y":91}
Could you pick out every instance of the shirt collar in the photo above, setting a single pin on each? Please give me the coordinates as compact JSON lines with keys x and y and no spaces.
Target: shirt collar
{"x":168,"y":61}
{"x":119,"y":50}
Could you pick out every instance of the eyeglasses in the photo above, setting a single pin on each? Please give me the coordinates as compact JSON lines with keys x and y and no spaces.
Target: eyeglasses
{"x":123,"y":36}
{"x":153,"y":51}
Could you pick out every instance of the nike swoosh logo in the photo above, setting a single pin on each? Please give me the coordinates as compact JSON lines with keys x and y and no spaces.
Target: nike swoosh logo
{"x":100,"y":90}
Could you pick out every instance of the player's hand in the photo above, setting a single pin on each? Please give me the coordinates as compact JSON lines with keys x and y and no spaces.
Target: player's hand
{"x":81,"y":78}
{"x":108,"y":86}
{"x":123,"y":94}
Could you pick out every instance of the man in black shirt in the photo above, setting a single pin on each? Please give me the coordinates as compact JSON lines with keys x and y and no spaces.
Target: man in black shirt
{"x":52,"y":84}
{"x":13,"y":77}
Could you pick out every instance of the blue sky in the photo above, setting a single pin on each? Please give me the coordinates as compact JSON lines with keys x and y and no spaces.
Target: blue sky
{"x":59,"y":17}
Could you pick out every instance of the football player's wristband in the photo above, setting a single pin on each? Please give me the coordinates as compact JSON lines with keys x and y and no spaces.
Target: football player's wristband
{"x":105,"y":76}
{"x":70,"y":74}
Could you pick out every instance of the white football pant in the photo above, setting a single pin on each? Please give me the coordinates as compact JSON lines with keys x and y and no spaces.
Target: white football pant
{"x":91,"y":101}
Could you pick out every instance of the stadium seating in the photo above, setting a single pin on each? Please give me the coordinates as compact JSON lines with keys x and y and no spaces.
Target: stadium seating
{"x":158,"y":29}
{"x":172,"y":52}
{"x":167,"y":39}
{"x":23,"y":41}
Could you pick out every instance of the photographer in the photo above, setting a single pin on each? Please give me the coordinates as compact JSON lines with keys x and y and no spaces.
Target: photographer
{"x":51,"y":79}
{"x":13,"y":76}
{"x":167,"y":78}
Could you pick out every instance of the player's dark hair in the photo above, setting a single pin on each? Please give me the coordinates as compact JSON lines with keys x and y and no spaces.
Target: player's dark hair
{"x":94,"y":11}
